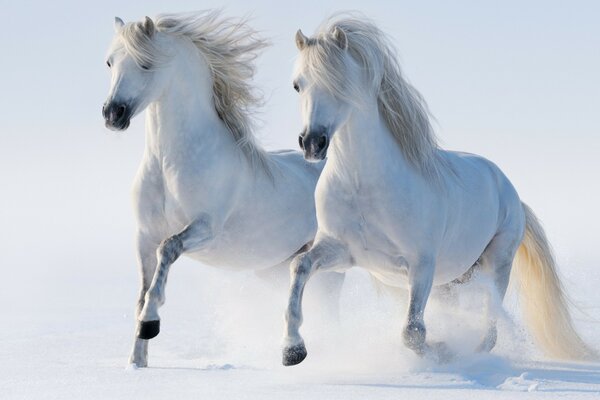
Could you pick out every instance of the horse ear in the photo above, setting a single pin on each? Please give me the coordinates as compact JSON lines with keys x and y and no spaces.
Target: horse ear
{"x":119,"y":24}
{"x":340,"y":38}
{"x":301,"y":40}
{"x":148,"y":26}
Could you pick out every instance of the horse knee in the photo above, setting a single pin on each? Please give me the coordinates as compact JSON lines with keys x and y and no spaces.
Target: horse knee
{"x":170,"y":249}
{"x":414,"y":335}
{"x":301,"y":266}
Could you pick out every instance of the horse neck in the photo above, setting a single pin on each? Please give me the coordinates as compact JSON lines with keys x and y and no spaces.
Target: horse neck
{"x":365,"y":141}
{"x":184,"y":115}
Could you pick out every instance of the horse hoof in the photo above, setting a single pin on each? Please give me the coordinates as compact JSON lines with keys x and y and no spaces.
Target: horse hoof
{"x":485,"y":346}
{"x":294,"y":355}
{"x":488,"y":343}
{"x":148,"y":329}
{"x":440,"y":353}
{"x":136,"y":365}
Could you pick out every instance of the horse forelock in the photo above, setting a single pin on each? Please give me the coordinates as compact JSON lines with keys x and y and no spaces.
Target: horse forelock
{"x":141,"y":46}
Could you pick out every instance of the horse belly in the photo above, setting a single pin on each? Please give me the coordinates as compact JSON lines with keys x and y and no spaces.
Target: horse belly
{"x":259,"y":241}
{"x":237,"y":258}
{"x":389,"y":259}
{"x":386,"y":244}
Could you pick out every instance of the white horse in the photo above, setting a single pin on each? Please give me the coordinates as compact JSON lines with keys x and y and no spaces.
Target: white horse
{"x":204,"y":187}
{"x":391,"y":201}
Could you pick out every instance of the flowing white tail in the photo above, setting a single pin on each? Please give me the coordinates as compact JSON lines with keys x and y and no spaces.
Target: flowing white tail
{"x":543,"y":298}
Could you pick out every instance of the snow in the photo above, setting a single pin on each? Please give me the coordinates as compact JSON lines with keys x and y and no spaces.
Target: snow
{"x":69,"y":338}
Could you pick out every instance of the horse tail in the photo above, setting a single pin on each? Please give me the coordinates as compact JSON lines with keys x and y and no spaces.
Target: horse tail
{"x":543,"y":297}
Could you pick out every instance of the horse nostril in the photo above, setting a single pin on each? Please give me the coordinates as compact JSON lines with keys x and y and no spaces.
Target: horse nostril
{"x":120,"y":111}
{"x":322,"y":141}
{"x":301,"y":142}
{"x":104,"y":110}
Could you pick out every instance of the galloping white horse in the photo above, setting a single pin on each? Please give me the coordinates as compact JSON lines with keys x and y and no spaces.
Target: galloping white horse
{"x":204,"y":187}
{"x":391,"y":201}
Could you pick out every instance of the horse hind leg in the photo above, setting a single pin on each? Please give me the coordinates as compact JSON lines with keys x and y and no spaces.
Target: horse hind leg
{"x":448,"y":292}
{"x":496,"y":261}
{"x":490,"y":337}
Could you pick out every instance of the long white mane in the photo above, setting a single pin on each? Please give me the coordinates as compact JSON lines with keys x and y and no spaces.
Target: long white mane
{"x":230,"y":47}
{"x":400,"y":104}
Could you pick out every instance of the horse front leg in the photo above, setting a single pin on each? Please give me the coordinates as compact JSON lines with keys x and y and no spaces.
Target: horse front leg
{"x":146,"y":258}
{"x":420,"y":279}
{"x":193,"y":238}
{"x":325,"y":253}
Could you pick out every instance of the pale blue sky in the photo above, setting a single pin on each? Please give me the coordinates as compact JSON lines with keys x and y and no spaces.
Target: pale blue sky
{"x":515,"y":81}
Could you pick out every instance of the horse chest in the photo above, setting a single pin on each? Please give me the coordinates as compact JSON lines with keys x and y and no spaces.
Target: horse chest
{"x":353,"y":214}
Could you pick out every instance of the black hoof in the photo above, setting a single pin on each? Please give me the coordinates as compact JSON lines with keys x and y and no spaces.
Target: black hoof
{"x":148,"y":329}
{"x":294,"y":355}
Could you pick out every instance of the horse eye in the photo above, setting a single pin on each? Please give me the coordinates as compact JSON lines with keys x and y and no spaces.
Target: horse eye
{"x":108,"y":63}
{"x":296,"y":87}
{"x":145,"y":67}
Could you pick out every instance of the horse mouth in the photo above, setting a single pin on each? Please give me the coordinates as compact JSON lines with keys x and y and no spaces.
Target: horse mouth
{"x":118,"y":126}
{"x":315,"y":157}
{"x":315,"y":147}
{"x":117,"y":115}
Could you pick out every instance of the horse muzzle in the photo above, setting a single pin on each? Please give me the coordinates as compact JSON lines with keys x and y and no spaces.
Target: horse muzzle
{"x":314,"y":145}
{"x":117,"y":116}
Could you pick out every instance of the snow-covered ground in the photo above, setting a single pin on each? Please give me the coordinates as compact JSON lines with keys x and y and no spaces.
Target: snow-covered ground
{"x":67,"y":336}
